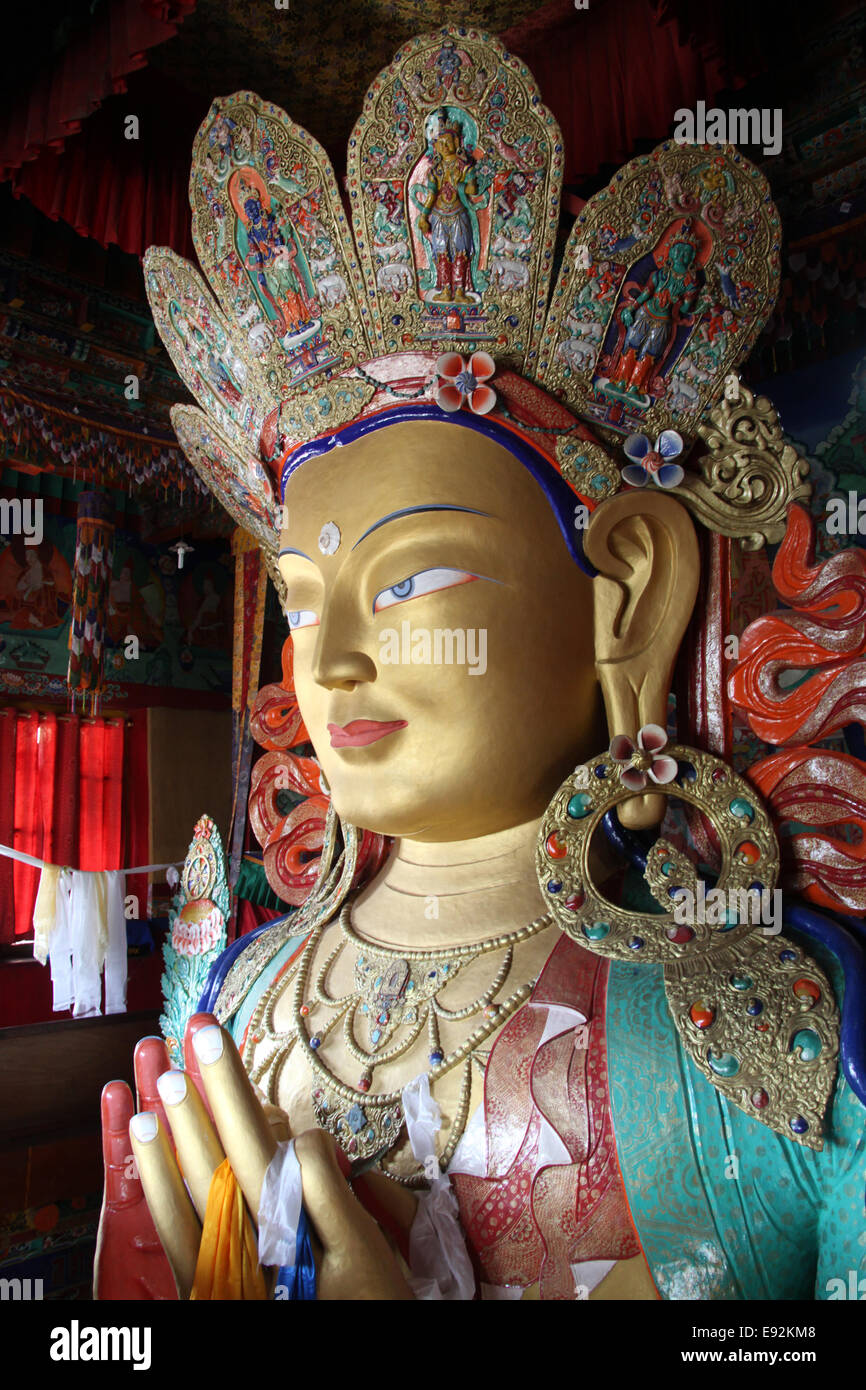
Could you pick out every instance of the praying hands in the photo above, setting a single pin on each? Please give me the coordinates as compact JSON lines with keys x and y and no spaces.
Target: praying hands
{"x":189,"y":1122}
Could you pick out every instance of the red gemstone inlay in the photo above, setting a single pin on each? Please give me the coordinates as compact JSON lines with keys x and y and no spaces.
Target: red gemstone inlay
{"x":701,"y":1014}
{"x":748,"y":852}
{"x":806,"y":991}
{"x":679,"y":934}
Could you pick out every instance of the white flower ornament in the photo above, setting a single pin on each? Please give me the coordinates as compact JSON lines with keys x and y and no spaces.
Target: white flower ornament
{"x":461,"y":382}
{"x":653,"y":461}
{"x":638,"y":763}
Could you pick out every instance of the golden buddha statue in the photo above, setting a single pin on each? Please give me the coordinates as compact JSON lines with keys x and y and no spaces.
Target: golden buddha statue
{"x":481,"y":1032}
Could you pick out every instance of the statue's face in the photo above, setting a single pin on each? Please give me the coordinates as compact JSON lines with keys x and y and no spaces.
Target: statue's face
{"x":682,"y":256}
{"x":446,"y":145}
{"x":447,"y":548}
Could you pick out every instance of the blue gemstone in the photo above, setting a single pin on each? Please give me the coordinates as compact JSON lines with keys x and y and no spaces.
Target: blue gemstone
{"x":554,"y":886}
{"x":356,"y":1119}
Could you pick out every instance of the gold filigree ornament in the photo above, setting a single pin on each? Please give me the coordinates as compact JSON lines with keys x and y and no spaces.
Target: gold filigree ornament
{"x":748,"y":475}
{"x":756,"y":1015}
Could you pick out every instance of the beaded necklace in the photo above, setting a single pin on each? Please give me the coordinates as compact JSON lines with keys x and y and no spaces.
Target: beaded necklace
{"x":395,"y":995}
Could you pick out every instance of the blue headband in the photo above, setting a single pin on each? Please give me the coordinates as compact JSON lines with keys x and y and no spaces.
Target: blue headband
{"x":559,"y":495}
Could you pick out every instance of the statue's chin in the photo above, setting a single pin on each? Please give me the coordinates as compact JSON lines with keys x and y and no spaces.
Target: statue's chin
{"x":435,"y":822}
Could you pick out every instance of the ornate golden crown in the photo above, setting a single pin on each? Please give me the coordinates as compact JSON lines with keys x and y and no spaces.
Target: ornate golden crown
{"x":325,"y":313}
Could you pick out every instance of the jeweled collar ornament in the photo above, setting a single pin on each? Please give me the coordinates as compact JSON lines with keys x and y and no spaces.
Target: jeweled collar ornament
{"x":395,"y":999}
{"x":755,"y":1014}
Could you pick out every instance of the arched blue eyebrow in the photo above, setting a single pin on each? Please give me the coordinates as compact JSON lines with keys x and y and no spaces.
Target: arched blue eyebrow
{"x":410,"y":511}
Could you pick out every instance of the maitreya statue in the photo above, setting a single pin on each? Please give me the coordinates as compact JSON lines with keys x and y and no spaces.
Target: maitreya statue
{"x":538,"y":1003}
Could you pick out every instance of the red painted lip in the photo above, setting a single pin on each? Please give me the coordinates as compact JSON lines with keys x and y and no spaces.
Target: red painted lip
{"x":362,"y":731}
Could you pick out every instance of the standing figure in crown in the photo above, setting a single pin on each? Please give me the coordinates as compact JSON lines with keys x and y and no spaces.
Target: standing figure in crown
{"x":445,"y":215}
{"x":650,"y":317}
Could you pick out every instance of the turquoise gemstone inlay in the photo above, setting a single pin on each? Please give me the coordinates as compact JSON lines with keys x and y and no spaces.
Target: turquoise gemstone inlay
{"x":742,"y":809}
{"x":809,"y":1043}
{"x":579,"y":806}
{"x":723,"y":1063}
{"x":741,"y":981}
{"x":596,"y":930}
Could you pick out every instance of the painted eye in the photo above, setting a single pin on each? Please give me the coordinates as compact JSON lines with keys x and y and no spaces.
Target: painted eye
{"x":425,"y":582}
{"x":302,"y":617}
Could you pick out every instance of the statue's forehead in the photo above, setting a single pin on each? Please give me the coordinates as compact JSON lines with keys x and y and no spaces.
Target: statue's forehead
{"x":406,"y":466}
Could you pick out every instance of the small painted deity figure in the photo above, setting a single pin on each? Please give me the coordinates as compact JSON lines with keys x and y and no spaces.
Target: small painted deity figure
{"x":274,"y":266}
{"x":445,"y":215}
{"x":650,"y":318}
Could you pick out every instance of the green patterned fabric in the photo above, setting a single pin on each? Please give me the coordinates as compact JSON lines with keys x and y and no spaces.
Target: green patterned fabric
{"x":724,"y":1207}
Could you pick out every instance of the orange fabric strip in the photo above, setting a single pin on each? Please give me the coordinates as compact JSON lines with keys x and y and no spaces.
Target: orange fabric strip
{"x":228,"y":1262}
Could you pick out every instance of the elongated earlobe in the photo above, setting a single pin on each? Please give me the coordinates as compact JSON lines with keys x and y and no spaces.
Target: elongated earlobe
{"x":644,"y":547}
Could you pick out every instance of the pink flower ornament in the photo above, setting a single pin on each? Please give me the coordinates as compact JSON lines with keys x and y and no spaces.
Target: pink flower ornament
{"x":648,"y":461}
{"x":460,"y":382}
{"x":636,"y":764}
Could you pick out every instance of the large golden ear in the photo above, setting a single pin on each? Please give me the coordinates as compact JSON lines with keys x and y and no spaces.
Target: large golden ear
{"x":644,"y":547}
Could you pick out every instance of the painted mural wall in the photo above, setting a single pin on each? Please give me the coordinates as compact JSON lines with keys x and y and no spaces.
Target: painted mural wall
{"x":169,"y":623}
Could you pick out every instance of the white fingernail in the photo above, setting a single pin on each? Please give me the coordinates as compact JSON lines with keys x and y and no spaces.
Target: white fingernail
{"x":172,"y":1087}
{"x":144,"y":1126}
{"x":208,"y":1043}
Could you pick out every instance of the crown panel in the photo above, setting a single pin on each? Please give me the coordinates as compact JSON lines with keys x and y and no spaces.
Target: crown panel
{"x":669,"y":276}
{"x":207,"y":352}
{"x":273,"y":238}
{"x":455,"y":172}
{"x":239,"y":481}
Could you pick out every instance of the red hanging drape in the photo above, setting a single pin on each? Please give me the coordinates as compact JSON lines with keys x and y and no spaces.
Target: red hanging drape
{"x":72,"y":793}
{"x":615,"y":73}
{"x":93,"y":66}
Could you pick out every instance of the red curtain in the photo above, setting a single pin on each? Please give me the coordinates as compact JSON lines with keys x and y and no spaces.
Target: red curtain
{"x":615,"y":73}
{"x":132,"y":194}
{"x":92,"y":67}
{"x":69,"y":795}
